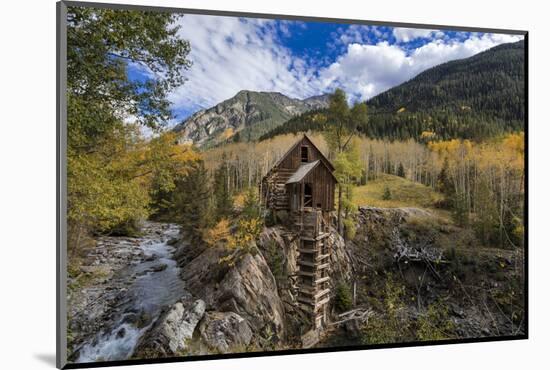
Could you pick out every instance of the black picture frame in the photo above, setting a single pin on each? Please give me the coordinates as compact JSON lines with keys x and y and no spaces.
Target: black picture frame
{"x":61,"y":189}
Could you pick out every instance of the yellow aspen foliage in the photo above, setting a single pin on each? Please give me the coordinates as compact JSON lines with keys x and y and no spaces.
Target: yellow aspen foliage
{"x":218,"y":234}
{"x":242,"y":241}
{"x":427,"y":135}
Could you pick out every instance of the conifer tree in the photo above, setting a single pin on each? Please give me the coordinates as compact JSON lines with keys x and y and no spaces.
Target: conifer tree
{"x":444,"y":183}
{"x":387,"y":193}
{"x":251,"y":208}
{"x":222,"y":195}
{"x":193,"y":201}
{"x":401,"y":170}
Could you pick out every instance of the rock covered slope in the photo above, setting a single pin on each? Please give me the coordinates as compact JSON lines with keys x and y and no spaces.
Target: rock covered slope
{"x":249,"y":114}
{"x":446,"y":276}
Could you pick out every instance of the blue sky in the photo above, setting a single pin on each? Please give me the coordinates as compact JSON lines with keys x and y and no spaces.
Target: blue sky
{"x":302,"y":59}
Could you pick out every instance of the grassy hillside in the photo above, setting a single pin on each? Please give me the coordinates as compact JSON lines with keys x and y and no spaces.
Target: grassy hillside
{"x":404,"y":193}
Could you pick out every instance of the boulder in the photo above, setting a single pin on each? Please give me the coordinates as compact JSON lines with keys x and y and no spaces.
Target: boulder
{"x":171,"y":332}
{"x":246,"y":287}
{"x":225,"y":332}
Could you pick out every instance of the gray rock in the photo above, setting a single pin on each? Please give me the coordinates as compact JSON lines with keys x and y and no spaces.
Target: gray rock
{"x":171,"y":332}
{"x":159,"y":268}
{"x":247,"y":288}
{"x":225,"y":331}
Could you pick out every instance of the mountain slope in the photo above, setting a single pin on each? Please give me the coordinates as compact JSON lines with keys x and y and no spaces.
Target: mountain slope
{"x":246,"y":116}
{"x":476,"y":97}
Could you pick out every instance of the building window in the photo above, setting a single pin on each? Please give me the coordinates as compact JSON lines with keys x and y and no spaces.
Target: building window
{"x":304,"y":155}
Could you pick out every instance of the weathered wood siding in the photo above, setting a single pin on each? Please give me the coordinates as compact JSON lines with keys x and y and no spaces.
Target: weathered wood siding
{"x":293,"y":159}
{"x":323,"y":187}
{"x":279,"y":196}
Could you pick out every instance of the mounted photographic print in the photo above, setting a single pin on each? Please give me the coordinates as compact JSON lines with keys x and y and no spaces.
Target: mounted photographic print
{"x":237,"y":184}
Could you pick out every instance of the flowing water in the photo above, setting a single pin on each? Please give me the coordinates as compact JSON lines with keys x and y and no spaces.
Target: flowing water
{"x":156,"y":284}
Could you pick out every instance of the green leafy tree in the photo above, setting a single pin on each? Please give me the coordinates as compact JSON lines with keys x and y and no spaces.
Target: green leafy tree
{"x":445,"y":185}
{"x":102,"y":45}
{"x":486,"y":224}
{"x":343,"y":126}
{"x":109,"y":165}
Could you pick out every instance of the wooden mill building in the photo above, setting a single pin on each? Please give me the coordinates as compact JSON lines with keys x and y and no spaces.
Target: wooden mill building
{"x":302,"y":183}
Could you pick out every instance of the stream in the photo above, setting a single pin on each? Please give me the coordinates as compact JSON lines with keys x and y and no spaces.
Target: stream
{"x":144,"y":289}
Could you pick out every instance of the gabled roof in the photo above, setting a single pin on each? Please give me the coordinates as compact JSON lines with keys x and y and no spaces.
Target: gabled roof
{"x":304,"y":169}
{"x":323,"y":158}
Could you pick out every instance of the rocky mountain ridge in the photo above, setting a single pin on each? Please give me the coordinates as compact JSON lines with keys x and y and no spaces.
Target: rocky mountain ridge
{"x":246,"y":116}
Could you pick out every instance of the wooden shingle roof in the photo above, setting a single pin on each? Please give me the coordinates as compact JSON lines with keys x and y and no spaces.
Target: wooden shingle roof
{"x":302,"y":171}
{"x":305,"y":137}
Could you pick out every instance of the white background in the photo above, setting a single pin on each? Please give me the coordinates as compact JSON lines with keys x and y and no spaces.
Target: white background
{"x":27,"y":183}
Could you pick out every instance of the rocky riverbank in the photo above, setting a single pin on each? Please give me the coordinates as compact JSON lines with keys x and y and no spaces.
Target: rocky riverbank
{"x":119,"y":288}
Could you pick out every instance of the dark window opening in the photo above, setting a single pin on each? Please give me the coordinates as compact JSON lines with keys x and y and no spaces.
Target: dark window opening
{"x":308,"y":195}
{"x":304,"y":155}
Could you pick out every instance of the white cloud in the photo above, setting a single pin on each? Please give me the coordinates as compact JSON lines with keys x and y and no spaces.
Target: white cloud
{"x":410,"y":34}
{"x":366,"y":70}
{"x":231,"y":54}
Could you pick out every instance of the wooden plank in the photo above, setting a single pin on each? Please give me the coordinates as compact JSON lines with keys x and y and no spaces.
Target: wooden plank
{"x":322,"y":293}
{"x":322,"y":280}
{"x":321,"y":257}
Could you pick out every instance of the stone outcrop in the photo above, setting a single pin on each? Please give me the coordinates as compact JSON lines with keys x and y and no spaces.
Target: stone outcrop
{"x":224,"y":332}
{"x":246,"y":288}
{"x":171,"y":332}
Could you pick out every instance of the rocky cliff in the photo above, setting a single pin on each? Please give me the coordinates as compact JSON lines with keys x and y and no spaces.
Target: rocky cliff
{"x":246,"y":116}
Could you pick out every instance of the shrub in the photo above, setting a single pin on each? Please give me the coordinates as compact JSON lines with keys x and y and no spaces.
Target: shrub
{"x":274,"y":259}
{"x":350,"y":230}
{"x":387,"y":193}
{"x":389,"y":327}
{"x":243,"y":239}
{"x":219,"y":233}
{"x":435,"y":324}
{"x":343,"y":300}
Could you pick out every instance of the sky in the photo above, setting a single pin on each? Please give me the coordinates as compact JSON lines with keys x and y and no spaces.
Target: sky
{"x":303,"y":59}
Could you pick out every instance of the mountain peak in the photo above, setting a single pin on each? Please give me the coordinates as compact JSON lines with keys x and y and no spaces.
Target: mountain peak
{"x":245,"y":116}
